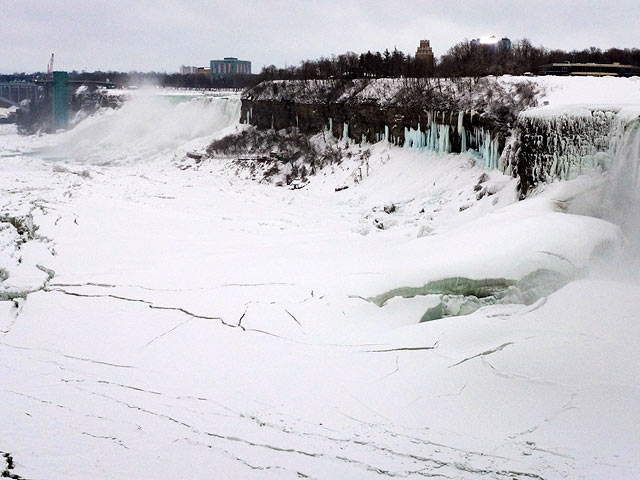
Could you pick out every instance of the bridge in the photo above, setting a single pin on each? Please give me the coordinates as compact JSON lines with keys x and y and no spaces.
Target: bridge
{"x":48,"y":100}
{"x":11,"y":94}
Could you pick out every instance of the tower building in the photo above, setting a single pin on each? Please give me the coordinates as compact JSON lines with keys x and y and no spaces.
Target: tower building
{"x":424,"y":52}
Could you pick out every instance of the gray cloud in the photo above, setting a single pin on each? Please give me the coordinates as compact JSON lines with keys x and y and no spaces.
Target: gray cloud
{"x":162,"y":34}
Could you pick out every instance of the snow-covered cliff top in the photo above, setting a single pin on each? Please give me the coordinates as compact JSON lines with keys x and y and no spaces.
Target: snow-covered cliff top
{"x":601,"y":91}
{"x":550,"y":90}
{"x":580,"y":96}
{"x":496,"y":98}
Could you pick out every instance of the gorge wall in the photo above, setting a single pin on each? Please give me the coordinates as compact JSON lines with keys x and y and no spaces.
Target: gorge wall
{"x":495,"y":119}
{"x":440,"y":115}
{"x":447,"y":131}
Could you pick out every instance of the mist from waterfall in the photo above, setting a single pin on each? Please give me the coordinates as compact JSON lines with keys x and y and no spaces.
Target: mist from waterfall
{"x":148,"y":126}
{"x":617,"y":200}
{"x":622,"y":199}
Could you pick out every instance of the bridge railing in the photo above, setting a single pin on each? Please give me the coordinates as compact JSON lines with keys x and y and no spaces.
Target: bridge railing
{"x":14,"y":93}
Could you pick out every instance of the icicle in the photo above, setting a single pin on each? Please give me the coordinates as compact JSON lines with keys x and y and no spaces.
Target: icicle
{"x":444,"y":142}
{"x":432,"y":136}
{"x":463,"y":141}
{"x":488,"y":148}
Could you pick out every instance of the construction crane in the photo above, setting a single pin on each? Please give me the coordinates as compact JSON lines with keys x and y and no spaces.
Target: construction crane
{"x":50,"y":68}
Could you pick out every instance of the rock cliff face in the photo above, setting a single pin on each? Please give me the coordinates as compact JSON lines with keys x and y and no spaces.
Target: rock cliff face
{"x":440,"y":115}
{"x":536,"y":145}
{"x":372,"y":122}
{"x":493,"y":118}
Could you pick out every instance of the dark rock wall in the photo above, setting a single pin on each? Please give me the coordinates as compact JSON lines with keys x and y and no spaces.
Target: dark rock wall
{"x":365,"y":121}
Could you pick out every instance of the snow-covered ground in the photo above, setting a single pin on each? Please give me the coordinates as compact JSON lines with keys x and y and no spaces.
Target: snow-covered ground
{"x":181,"y":322}
{"x":578,"y":97}
{"x":598,"y":91}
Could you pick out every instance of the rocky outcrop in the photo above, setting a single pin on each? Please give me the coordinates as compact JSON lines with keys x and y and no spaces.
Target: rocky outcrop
{"x":89,"y":102}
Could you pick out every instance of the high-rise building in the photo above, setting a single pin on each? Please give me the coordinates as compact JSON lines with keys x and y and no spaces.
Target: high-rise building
{"x":425,"y":58}
{"x":229,"y":66}
{"x":424,"y":52}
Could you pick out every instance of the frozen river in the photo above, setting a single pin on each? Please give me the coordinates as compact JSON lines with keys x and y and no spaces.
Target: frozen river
{"x":163,"y":319}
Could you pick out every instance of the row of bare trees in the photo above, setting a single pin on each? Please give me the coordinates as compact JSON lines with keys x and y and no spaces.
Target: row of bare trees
{"x":390,"y":64}
{"x":465,"y":59}
{"x":470,"y":59}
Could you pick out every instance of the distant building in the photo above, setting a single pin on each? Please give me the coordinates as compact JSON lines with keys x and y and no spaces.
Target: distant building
{"x":424,"y":52}
{"x":229,"y":66}
{"x":425,"y":58}
{"x":188,"y":70}
{"x":203,"y":71}
{"x":592,"y":69}
{"x":493,"y":42}
{"x":504,"y":44}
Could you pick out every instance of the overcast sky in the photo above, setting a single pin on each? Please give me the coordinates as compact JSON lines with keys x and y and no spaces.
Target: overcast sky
{"x":164,"y":34}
